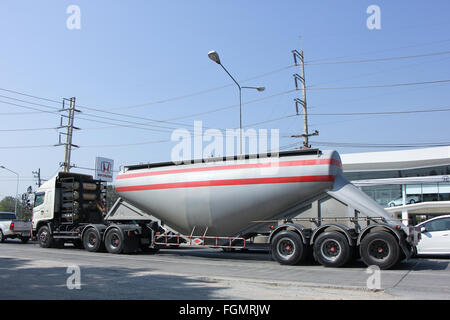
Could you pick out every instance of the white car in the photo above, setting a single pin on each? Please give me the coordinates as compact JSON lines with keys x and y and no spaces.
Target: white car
{"x":435,"y":236}
{"x":399,"y":201}
{"x":12,"y":228}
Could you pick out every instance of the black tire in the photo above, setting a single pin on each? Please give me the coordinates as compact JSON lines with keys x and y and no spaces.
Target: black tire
{"x":2,"y":237}
{"x":45,"y":237}
{"x":24,"y":239}
{"x":114,"y":241}
{"x":287,"y":248}
{"x":332,"y":249}
{"x":381,"y":249}
{"x":92,"y":240}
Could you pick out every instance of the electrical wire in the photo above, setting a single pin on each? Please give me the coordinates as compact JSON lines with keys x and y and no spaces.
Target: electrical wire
{"x":380,"y":145}
{"x":378,"y":59}
{"x":381,"y":85}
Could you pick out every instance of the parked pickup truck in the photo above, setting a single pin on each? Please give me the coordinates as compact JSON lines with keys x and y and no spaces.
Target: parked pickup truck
{"x":10,"y":227}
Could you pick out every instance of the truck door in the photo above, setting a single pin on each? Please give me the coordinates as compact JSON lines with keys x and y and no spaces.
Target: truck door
{"x":40,"y":209}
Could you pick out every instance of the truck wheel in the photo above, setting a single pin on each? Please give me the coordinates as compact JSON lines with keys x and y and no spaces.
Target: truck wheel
{"x":92,"y":240}
{"x":288,"y":248}
{"x":44,"y":237}
{"x":114,"y":241}
{"x":381,"y":249}
{"x":2,"y":237}
{"x":331,"y":249}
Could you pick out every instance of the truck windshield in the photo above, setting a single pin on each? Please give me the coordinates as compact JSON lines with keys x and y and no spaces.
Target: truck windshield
{"x":7,"y":216}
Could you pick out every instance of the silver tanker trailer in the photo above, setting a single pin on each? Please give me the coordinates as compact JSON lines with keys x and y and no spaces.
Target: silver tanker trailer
{"x":296,"y":201}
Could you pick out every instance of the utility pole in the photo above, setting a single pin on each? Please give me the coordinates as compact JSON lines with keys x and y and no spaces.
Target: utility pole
{"x":301,"y":78}
{"x":37,"y":175}
{"x":69,"y":131}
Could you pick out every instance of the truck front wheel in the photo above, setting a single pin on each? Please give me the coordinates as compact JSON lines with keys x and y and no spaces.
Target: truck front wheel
{"x":288,"y":248}
{"x":381,"y":249}
{"x":45,"y":237}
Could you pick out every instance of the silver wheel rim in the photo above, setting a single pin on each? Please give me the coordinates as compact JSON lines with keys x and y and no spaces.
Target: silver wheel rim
{"x":331,"y":250}
{"x":286,"y":248}
{"x":379,"y":250}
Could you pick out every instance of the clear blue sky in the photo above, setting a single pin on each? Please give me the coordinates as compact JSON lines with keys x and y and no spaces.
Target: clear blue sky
{"x":137,"y":52}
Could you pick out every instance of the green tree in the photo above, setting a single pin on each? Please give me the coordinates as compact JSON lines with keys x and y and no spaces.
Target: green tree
{"x":7,"y":204}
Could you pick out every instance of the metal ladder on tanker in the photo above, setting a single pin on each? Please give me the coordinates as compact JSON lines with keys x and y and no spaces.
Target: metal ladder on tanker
{"x":68,"y":202}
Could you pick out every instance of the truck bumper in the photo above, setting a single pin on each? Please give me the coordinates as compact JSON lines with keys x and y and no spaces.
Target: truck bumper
{"x":414,"y":235}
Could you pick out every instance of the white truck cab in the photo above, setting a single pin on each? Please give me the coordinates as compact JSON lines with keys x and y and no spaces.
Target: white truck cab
{"x":44,"y":203}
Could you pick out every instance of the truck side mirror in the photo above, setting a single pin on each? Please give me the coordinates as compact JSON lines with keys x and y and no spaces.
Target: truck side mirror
{"x":423,"y":229}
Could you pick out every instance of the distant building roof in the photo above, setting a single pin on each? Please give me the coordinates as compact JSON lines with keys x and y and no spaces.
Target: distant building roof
{"x":396,"y":160}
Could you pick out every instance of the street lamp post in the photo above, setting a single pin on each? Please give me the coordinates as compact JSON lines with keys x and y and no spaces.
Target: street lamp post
{"x":17,"y":187}
{"x":214,"y":56}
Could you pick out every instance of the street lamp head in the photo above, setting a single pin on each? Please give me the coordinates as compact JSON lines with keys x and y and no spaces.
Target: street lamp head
{"x":261,"y":88}
{"x":214,"y":56}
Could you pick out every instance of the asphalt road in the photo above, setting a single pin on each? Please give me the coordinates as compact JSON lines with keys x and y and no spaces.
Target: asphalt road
{"x":30,"y":272}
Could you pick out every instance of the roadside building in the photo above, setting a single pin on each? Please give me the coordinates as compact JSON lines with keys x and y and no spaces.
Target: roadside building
{"x":412,"y":185}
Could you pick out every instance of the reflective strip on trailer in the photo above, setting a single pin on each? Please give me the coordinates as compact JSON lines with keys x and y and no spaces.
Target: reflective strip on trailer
{"x":200,"y":241}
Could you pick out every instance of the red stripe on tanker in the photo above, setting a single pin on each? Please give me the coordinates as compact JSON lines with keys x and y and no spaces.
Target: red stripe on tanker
{"x":230,"y":182}
{"x":274,"y":164}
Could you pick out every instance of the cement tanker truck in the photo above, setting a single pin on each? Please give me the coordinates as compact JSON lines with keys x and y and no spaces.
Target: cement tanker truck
{"x":298,"y":202}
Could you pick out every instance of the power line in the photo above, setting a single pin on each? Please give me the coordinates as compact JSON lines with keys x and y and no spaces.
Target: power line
{"x":28,"y":147}
{"x":26,"y":129}
{"x":378,"y":59}
{"x":380,"y":145}
{"x":168,"y":121}
{"x":233,"y":105}
{"x":200,"y":113}
{"x":189,"y":95}
{"x":381,"y":112}
{"x":385,"y":50}
{"x":30,"y":108}
{"x":29,"y":95}
{"x":382,"y":85}
{"x":390,"y":69}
